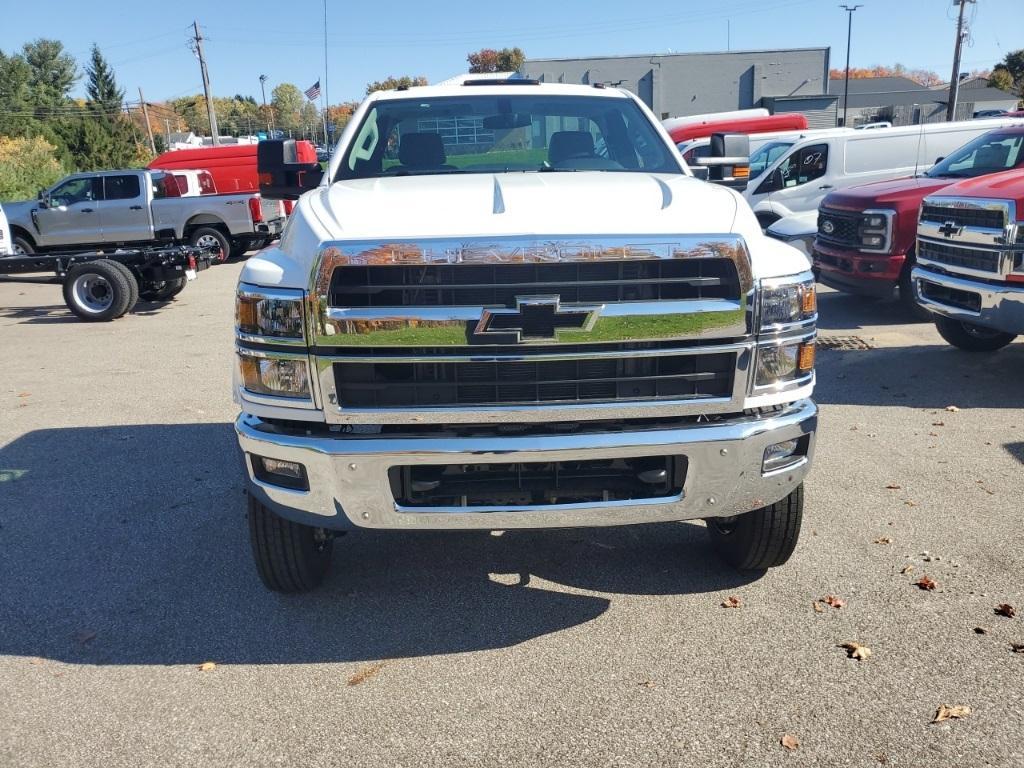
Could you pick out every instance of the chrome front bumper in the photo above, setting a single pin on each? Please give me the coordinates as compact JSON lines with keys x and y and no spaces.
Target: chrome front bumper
{"x":1002,"y":306}
{"x":349,"y":486}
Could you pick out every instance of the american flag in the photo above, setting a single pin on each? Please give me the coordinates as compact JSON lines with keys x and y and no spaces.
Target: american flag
{"x":313,"y":92}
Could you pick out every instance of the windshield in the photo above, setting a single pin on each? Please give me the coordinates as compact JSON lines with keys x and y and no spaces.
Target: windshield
{"x":496,"y":134}
{"x":989,"y":153}
{"x":766,"y":155}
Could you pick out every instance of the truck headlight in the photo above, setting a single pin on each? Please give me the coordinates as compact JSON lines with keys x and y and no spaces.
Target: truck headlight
{"x":273,"y":313}
{"x":784,"y":363}
{"x":279,"y":377}
{"x":785,"y":303}
{"x":875,"y":230}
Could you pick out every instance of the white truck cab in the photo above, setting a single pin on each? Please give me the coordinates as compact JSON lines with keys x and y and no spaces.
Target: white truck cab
{"x":5,"y":235}
{"x":509,"y":304}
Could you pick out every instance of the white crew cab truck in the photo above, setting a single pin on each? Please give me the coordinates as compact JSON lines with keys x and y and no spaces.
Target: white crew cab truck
{"x":511,"y":305}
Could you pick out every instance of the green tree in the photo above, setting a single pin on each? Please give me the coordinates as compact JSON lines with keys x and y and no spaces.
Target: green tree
{"x":16,"y":105}
{"x":393,"y":83}
{"x":491,"y":60}
{"x":287,"y":101}
{"x":1001,"y":79}
{"x":1013,"y":63}
{"x":52,"y":73}
{"x":105,"y":98}
{"x":26,"y":166}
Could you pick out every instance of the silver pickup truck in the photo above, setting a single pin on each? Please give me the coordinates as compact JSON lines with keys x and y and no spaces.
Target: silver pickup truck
{"x":133,"y":207}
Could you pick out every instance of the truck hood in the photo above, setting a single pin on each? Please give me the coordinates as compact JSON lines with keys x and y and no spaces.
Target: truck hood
{"x":548,"y":204}
{"x":20,"y":212}
{"x":1007,"y":185}
{"x":894,"y":193}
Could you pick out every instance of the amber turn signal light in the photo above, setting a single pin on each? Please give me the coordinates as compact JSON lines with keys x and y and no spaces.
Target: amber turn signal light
{"x":805,"y":362}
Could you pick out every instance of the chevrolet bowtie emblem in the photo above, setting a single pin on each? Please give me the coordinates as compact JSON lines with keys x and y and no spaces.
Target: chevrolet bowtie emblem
{"x":535,"y":318}
{"x":950,"y":229}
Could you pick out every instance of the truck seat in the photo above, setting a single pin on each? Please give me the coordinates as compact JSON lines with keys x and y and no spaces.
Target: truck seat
{"x":422,"y":151}
{"x":567,"y":144}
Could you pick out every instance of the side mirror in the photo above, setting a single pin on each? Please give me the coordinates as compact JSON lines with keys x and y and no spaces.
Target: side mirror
{"x":283,"y":175}
{"x":729,"y":162}
{"x":939,"y":159}
{"x":44,"y":198}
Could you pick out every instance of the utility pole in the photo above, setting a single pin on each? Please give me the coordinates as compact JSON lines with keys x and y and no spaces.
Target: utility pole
{"x":849,"y":31}
{"x":267,"y":112}
{"x":214,"y":131}
{"x":145,"y":116}
{"x":954,"y":80}
{"x":167,"y":131}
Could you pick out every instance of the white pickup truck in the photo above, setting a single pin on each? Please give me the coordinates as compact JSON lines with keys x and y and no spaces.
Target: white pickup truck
{"x":511,"y":305}
{"x":137,"y":207}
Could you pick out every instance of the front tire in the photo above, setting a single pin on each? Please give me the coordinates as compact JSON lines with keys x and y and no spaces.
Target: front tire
{"x":970,"y":337}
{"x":764,"y":538}
{"x":22,"y":246}
{"x":98,"y":291}
{"x":289,"y":557}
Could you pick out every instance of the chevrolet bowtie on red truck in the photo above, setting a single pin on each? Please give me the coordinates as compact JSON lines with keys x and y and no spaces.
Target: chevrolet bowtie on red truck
{"x":540,"y":319}
{"x":866,"y":242}
{"x":970,"y":261}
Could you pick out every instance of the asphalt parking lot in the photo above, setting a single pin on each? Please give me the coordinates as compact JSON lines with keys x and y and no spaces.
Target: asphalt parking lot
{"x":124,"y":566}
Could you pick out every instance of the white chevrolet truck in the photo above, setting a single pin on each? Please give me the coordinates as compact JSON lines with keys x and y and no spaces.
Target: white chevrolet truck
{"x":507,"y":305}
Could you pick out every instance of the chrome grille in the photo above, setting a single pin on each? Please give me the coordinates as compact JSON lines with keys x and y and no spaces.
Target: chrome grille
{"x":984,"y":217}
{"x":439,"y":383}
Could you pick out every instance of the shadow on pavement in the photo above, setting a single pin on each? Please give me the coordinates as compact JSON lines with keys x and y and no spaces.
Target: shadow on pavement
{"x":848,"y":313}
{"x":128,"y":545}
{"x":923,"y":376}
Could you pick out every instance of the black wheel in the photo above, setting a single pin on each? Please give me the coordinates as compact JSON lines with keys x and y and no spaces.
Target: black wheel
{"x":289,"y":557}
{"x":764,"y":538}
{"x":164,"y":290}
{"x":213,"y":239}
{"x":22,"y":246}
{"x":133,"y":286}
{"x":98,"y":291}
{"x":970,"y":337}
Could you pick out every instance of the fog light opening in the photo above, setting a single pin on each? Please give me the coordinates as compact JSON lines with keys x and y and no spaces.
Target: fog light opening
{"x":784,"y":454}
{"x":287,"y":474}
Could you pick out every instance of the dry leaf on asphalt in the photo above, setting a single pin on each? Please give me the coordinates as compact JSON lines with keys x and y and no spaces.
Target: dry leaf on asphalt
{"x":366,"y":673}
{"x":1007,"y":610}
{"x":938,"y":424}
{"x":646,"y":684}
{"x":833,"y":601}
{"x":893,"y":487}
{"x":207,"y":666}
{"x":906,"y":569}
{"x":732,"y":602}
{"x":926,"y":583}
{"x":952,"y":408}
{"x":883,"y":540}
{"x":1017,"y":647}
{"x":856,"y":651}
{"x":910,"y":503}
{"x":948,"y":713}
{"x":980,"y":631}
{"x":817,"y":607}
{"x":789,"y":741}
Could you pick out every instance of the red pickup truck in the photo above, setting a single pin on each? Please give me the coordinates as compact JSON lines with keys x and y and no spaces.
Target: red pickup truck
{"x":970,"y":261}
{"x":866,"y":241}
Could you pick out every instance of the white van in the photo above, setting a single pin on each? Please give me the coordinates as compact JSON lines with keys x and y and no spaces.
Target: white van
{"x":800,"y":176}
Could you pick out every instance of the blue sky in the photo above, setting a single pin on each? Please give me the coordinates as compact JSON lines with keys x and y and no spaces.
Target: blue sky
{"x":147,"y":42}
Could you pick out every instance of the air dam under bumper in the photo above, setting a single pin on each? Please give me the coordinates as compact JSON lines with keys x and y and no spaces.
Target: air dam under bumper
{"x":349,"y":485}
{"x":1001,"y":307}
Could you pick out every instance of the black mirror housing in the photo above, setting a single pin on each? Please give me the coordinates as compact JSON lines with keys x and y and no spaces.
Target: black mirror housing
{"x":729,"y":162}
{"x":281,"y":175}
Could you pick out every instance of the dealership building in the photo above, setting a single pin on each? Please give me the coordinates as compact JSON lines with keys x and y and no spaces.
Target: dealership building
{"x":679,"y":84}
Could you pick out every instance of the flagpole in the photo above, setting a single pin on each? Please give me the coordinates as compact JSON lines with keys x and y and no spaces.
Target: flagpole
{"x":324,"y":93}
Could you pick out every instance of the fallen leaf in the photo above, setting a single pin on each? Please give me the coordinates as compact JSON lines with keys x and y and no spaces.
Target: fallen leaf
{"x":883,"y":540}
{"x":732,"y":602}
{"x":1017,"y":647}
{"x":1007,"y":610}
{"x":833,"y":601}
{"x":980,"y":631}
{"x":933,"y":434}
{"x":24,"y":394}
{"x":938,"y":424}
{"x":893,"y":487}
{"x":84,"y":636}
{"x":817,"y":607}
{"x":926,"y":583}
{"x":207,"y":666}
{"x":646,"y":684}
{"x":366,"y":673}
{"x":910,"y":503}
{"x":948,"y":713}
{"x":907,"y":569}
{"x":856,"y":651}
{"x":789,"y":741}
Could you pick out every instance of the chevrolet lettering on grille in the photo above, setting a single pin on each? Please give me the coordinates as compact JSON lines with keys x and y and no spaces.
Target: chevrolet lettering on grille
{"x":535,"y":318}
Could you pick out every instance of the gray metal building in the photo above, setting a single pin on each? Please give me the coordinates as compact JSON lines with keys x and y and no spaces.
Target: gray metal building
{"x":679,"y":84}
